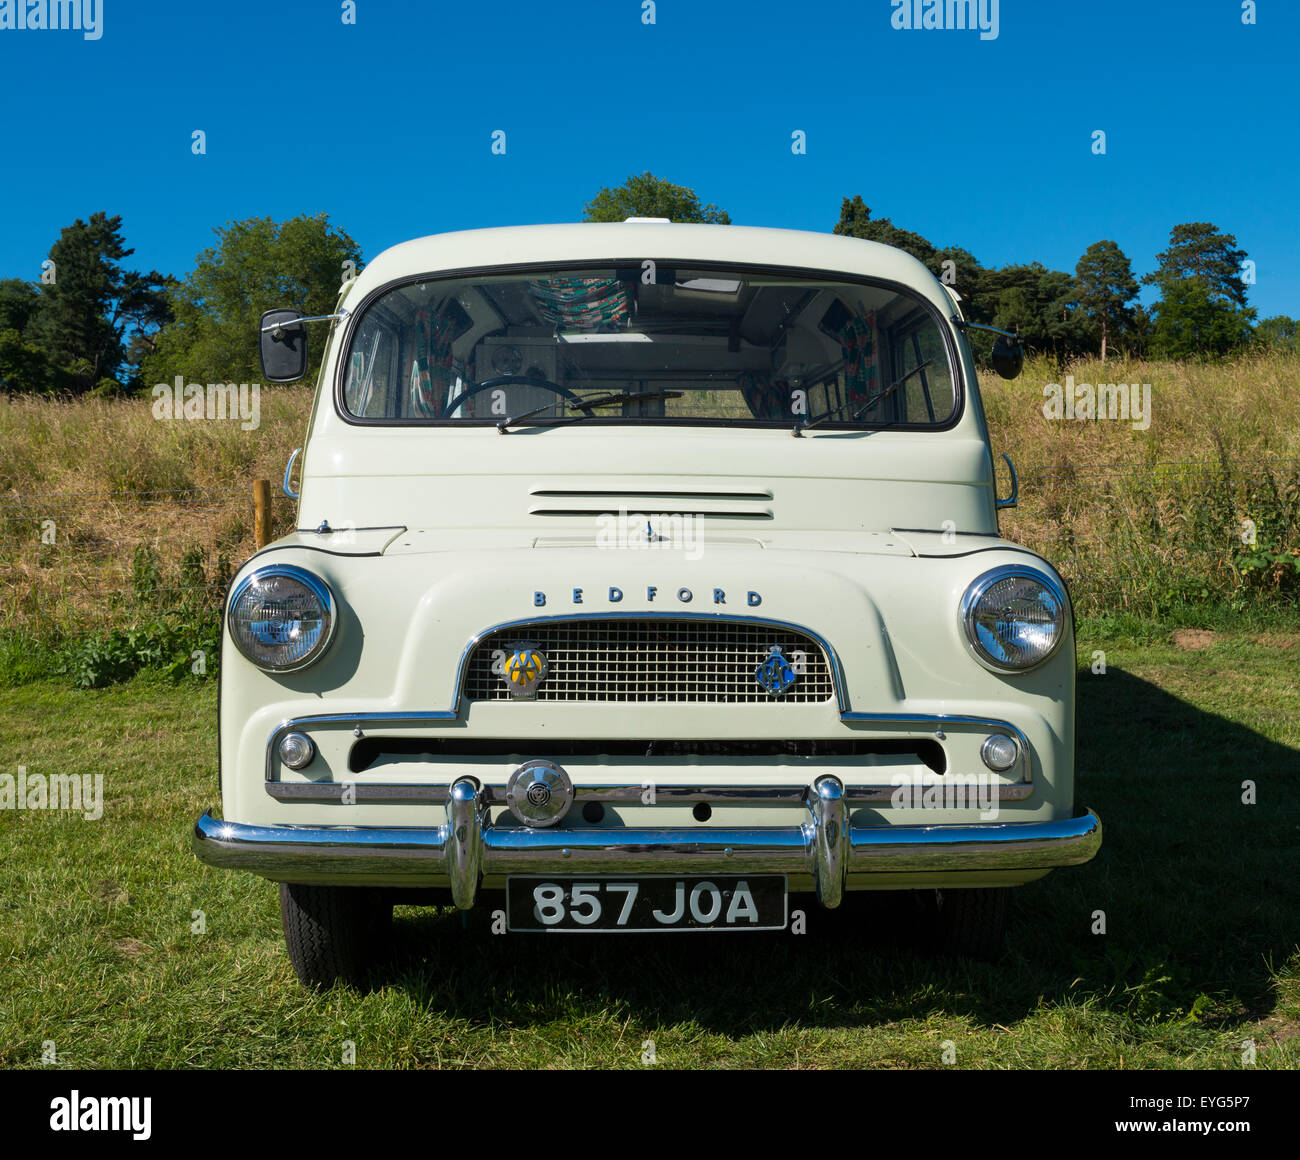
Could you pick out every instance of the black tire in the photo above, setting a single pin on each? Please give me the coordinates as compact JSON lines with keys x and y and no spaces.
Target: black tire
{"x":972,"y":923}
{"x":334,"y":932}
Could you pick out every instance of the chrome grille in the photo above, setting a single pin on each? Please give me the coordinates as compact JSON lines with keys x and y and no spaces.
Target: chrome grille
{"x":672,"y":660}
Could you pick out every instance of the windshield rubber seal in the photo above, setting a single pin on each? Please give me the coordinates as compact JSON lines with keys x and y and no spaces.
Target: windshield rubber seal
{"x":942,"y":320}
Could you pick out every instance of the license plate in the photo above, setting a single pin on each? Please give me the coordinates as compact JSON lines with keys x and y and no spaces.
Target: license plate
{"x":659,"y":903}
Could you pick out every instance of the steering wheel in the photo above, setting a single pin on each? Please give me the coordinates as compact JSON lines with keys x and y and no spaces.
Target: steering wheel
{"x":510,"y":380}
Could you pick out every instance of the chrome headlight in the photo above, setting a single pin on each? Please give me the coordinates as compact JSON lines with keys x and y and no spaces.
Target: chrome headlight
{"x":281,"y":617}
{"x":1014,"y":618}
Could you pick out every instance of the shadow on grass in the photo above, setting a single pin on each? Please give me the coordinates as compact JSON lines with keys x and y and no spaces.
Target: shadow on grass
{"x":1198,"y":891}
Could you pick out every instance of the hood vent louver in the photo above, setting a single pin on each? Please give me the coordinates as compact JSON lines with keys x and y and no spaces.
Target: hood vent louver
{"x":728,"y":505}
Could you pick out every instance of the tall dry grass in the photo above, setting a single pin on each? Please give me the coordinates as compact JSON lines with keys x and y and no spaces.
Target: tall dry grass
{"x":144,"y":515}
{"x":1145,"y":520}
{"x":1137,"y":520}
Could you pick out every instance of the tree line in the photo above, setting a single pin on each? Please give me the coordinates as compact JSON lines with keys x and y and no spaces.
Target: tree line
{"x":1202,"y":277}
{"x":90,"y":323}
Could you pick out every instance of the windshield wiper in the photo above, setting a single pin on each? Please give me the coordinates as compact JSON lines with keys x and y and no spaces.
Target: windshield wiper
{"x":514,"y":420}
{"x":889,"y":390}
{"x":623,"y":397}
{"x":800,"y":428}
{"x":585,"y":406}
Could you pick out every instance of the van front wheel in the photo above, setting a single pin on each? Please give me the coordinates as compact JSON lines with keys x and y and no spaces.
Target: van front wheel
{"x":333,"y":932}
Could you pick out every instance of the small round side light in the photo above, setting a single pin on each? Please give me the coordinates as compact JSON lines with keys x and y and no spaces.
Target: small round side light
{"x":296,"y":750}
{"x":999,"y":752}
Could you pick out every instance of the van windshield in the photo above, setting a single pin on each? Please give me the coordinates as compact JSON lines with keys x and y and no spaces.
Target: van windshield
{"x":654,"y":343}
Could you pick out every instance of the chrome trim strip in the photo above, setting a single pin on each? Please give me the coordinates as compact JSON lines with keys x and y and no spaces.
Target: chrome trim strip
{"x":288,"y":471}
{"x":921,"y":723}
{"x":467,"y":848}
{"x":996,"y":846}
{"x":374,"y":720}
{"x":278,"y":328}
{"x":425,"y":793}
{"x":733,"y":794}
{"x":658,"y":850}
{"x":934,"y":723}
{"x":832,"y":661}
{"x":1013,"y":500}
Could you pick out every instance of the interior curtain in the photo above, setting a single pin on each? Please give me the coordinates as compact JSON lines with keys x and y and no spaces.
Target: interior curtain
{"x":582,"y":303}
{"x":857,"y":341}
{"x":769,"y":398}
{"x":434,"y":368}
{"x":766,"y":398}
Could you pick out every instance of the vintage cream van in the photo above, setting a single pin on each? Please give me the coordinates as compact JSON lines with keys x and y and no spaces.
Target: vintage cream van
{"x":647,"y":577}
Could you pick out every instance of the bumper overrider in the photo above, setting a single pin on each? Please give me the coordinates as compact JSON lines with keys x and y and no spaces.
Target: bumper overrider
{"x":467,"y":848}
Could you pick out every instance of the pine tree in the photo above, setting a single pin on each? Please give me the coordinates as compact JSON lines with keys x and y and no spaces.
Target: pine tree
{"x":1203,"y":308}
{"x":1198,"y":250}
{"x":1106,"y":288}
{"x":85,"y":312}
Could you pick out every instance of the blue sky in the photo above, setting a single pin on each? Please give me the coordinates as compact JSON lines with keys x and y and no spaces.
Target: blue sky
{"x":386,"y":124}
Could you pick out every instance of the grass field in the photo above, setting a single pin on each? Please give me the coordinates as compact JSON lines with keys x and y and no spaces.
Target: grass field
{"x":120,"y":950}
{"x":1143,"y":521}
{"x":101,"y":959}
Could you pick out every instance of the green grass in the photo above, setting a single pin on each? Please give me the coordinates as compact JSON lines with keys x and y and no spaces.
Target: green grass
{"x":1199,"y":891}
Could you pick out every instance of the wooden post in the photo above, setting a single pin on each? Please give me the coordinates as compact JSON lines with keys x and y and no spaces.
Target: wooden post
{"x":262,"y":512}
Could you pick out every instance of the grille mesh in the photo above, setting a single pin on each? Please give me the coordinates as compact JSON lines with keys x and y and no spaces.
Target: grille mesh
{"x":653,"y":660}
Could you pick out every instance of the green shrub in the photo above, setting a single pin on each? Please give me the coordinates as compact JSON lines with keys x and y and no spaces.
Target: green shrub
{"x":163,"y":648}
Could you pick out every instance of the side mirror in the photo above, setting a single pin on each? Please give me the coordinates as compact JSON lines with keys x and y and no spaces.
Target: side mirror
{"x":1008,"y":356}
{"x":282,"y":344}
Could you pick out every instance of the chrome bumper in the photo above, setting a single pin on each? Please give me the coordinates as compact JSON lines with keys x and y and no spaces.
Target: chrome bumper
{"x":467,"y":848}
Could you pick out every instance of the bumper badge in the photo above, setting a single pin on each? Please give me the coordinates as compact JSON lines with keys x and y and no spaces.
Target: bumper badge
{"x":523,"y":670}
{"x":776,"y":674}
